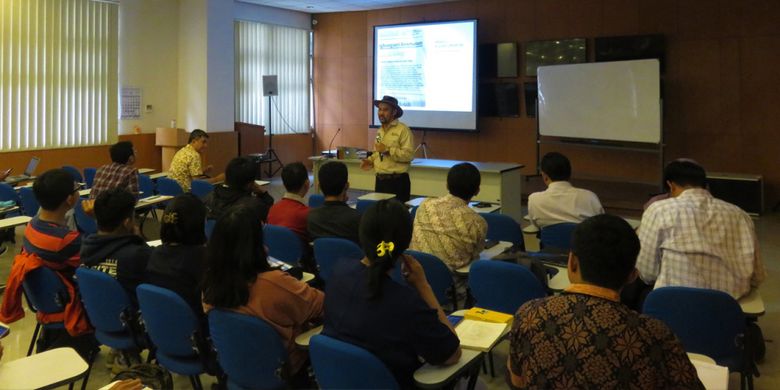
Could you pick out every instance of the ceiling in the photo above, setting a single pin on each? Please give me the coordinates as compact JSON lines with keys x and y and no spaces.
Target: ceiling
{"x":322,"y":6}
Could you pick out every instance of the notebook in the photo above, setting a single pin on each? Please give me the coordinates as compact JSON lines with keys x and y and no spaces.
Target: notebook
{"x":479,"y":335}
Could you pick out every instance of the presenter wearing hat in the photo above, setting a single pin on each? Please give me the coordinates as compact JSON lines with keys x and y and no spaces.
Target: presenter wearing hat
{"x":393,"y":151}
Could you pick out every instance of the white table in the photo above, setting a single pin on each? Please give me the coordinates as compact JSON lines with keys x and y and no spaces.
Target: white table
{"x":713,"y":376}
{"x":433,"y":377}
{"x":416,"y":202}
{"x":85,"y":192}
{"x":262,"y":182}
{"x":376,"y":196}
{"x":500,"y":181}
{"x":154,"y":243}
{"x":8,"y":210}
{"x":486,"y":254}
{"x":304,"y":338}
{"x":45,"y":370}
{"x":14,"y":221}
{"x":144,"y":171}
{"x":156,"y":176}
{"x":150,"y":200}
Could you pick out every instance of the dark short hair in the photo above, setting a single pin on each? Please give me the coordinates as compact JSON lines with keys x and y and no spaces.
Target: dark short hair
{"x":556,"y":166}
{"x":112,"y":207}
{"x":197,"y":134}
{"x":389,"y":221}
{"x":234,"y":257}
{"x":685,"y":173}
{"x":463,"y":180}
{"x":333,"y":178}
{"x":606,"y":247}
{"x":294,"y":175}
{"x":240,"y":172}
{"x":184,"y":221}
{"x":53,"y":187}
{"x":121,"y":152}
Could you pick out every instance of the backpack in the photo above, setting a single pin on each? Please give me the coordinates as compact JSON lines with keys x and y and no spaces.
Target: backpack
{"x":152,"y":376}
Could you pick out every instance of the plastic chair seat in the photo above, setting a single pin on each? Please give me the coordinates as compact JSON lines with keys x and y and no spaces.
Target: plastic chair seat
{"x":182,"y":365}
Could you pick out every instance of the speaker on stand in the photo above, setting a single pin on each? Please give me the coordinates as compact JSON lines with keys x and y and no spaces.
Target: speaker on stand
{"x":270,"y":89}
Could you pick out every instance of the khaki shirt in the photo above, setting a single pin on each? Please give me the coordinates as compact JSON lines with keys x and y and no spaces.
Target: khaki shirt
{"x":400,"y":145}
{"x":185,"y":166}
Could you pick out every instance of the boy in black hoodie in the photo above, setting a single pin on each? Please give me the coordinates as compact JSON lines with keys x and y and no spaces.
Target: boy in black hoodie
{"x":117,"y":248}
{"x":239,"y":189}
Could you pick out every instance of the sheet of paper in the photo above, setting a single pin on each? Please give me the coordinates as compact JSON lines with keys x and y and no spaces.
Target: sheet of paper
{"x":479,"y":335}
{"x":713,"y":376}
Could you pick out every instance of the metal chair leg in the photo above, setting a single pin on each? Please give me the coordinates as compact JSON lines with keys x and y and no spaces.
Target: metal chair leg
{"x":34,"y":338}
{"x":91,"y":361}
{"x":195,"y":381}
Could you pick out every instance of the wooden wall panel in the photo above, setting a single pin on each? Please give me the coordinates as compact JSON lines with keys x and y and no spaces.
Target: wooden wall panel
{"x":720,"y":85}
{"x":223,"y":147}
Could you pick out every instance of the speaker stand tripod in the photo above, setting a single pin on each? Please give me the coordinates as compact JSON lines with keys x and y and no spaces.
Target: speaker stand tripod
{"x":423,"y":145}
{"x":270,"y":157}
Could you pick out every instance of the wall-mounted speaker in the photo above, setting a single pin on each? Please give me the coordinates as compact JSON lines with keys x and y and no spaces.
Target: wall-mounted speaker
{"x":270,"y":86}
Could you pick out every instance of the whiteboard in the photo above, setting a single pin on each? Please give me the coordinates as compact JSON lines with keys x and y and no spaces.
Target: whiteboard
{"x":615,"y":101}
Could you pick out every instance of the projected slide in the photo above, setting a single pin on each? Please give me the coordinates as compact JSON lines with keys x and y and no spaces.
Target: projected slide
{"x":430,"y":68}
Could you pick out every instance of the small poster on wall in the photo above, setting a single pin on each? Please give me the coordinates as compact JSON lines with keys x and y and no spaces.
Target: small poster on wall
{"x":131,"y":103}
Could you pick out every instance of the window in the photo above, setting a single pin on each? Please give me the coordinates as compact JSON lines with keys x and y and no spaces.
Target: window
{"x":58,"y":73}
{"x":264,"y":49}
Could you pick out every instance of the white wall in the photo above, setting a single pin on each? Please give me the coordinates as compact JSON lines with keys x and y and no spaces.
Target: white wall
{"x":221,"y":59}
{"x":193,"y":65}
{"x":263,"y":14}
{"x":148,"y":59}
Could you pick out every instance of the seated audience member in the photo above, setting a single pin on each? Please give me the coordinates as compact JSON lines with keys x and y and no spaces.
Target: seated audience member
{"x":695,"y":240}
{"x":334,"y":218}
{"x":119,"y":174}
{"x":117,"y":248}
{"x":186,"y":164}
{"x":48,"y":242}
{"x":585,"y":338}
{"x":239,"y":189}
{"x":292,"y":211}
{"x":665,"y":194}
{"x":179,"y":263}
{"x":238,"y":277}
{"x":365,"y":307}
{"x":560,"y":202}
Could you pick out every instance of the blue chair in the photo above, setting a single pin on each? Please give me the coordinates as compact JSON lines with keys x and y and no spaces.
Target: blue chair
{"x":363,"y":205}
{"x":413,"y":212}
{"x":437,"y":274}
{"x":557,"y":236}
{"x":502,"y":286}
{"x":248,"y":349}
{"x":74,"y":172}
{"x":331,"y":250}
{"x":201,"y":188}
{"x":89,"y":176}
{"x":707,"y":322}
{"x":146,"y":185}
{"x":502,"y":227}
{"x":29,"y":202}
{"x":110,"y":310}
{"x":340,"y":365}
{"x":174,"y":330}
{"x":283,"y":244}
{"x":210,"y":227}
{"x":316,"y":200}
{"x":168,"y":186}
{"x":7,"y":193}
{"x":45,"y":293}
{"x":85,"y":223}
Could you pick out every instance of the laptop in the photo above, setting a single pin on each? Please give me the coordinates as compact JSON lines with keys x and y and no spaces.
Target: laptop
{"x":28,"y":172}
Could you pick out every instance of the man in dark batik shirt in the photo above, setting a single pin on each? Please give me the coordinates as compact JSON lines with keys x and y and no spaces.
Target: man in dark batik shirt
{"x":585,"y":338}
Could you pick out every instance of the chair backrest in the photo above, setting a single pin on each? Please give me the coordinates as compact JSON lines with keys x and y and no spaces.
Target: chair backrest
{"x":557,"y":235}
{"x":502,"y":227}
{"x":30,"y":204}
{"x":502,"y":286}
{"x":316,"y":200}
{"x":363,"y":205}
{"x":86,"y":224}
{"x":210,"y":223}
{"x":7,"y":192}
{"x":330,"y":251}
{"x":201,"y":188}
{"x":45,"y":291}
{"x":107,"y":303}
{"x":248,"y":349}
{"x":340,"y":365}
{"x":283,"y":244}
{"x":145,"y":185}
{"x":437,"y":274}
{"x":413,"y":212}
{"x":74,"y":172}
{"x":168,"y":186}
{"x":706,"y":321}
{"x":169,"y":320}
{"x":89,"y":176}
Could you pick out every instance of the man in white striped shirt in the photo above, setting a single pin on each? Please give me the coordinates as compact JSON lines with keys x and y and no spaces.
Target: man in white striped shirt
{"x":695,"y":240}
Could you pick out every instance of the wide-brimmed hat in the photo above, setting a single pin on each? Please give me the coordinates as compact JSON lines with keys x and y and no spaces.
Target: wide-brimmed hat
{"x":391,"y":101}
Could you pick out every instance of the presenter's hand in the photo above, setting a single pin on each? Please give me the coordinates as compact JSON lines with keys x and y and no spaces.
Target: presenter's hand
{"x":366,"y":164}
{"x":380,"y":147}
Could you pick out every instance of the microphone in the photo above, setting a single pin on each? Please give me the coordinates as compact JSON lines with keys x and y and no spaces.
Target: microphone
{"x":328,"y":153}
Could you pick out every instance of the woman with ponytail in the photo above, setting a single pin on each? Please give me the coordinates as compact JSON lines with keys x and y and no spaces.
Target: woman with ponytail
{"x":395,"y":322}
{"x":238,"y":277}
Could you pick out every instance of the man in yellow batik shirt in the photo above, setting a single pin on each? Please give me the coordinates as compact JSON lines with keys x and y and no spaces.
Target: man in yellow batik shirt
{"x":186,"y":164}
{"x":393,"y":151}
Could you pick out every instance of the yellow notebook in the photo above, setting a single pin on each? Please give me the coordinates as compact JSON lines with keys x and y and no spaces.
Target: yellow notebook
{"x":479,"y":314}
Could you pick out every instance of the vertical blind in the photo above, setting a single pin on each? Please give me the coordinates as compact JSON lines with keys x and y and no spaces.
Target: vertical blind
{"x":264,"y":49}
{"x":58,"y":73}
